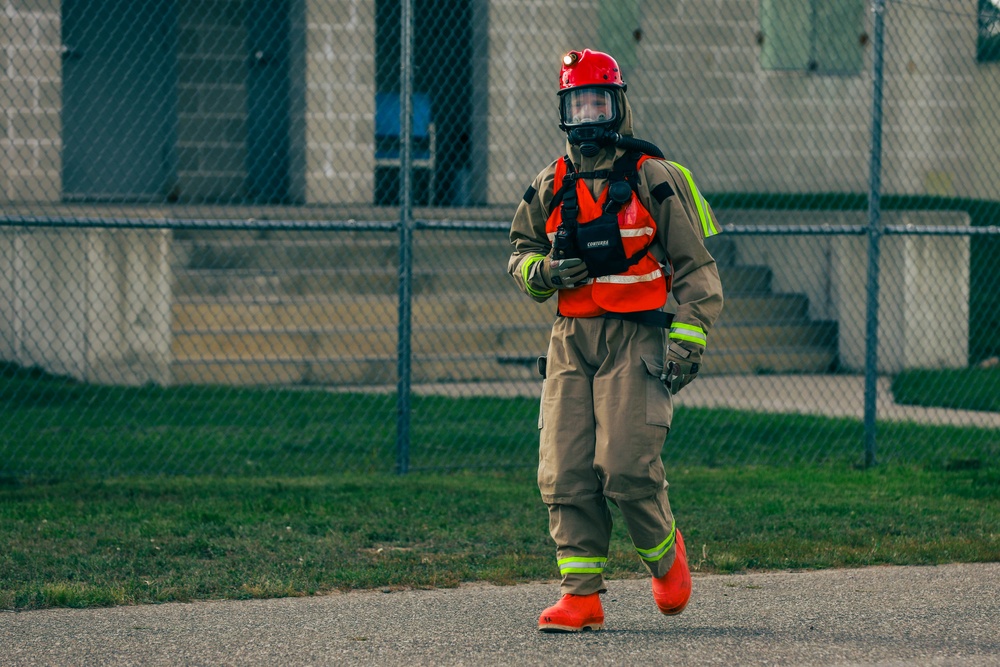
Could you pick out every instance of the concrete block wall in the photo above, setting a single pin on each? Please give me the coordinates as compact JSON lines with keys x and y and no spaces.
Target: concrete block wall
{"x":339,"y":113}
{"x":526,"y":40}
{"x":698,"y":90}
{"x":332,"y":91}
{"x":701,"y":93}
{"x":30,"y":78}
{"x":695,"y":81}
{"x":939,"y":139}
{"x":211,"y":101}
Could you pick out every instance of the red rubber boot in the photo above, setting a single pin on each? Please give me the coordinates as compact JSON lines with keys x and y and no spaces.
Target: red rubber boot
{"x":573,"y":613}
{"x":673,"y":590}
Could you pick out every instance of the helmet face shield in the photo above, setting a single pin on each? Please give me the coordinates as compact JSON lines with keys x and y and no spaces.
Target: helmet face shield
{"x":589,"y":105}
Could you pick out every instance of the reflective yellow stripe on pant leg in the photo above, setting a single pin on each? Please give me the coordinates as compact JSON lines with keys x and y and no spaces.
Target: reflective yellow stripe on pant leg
{"x":657,"y":552}
{"x":581,"y":565}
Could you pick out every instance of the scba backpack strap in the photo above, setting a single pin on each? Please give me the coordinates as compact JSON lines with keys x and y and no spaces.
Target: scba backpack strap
{"x":565,"y":245}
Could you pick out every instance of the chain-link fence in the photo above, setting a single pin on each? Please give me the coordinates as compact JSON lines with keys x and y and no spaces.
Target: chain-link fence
{"x":270,"y":236}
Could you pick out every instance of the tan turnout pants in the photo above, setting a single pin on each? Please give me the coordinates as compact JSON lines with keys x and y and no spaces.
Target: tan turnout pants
{"x":604,"y":418}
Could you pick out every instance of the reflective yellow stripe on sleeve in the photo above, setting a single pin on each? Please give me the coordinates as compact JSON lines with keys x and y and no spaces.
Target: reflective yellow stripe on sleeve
{"x":708,"y":227}
{"x":689,"y":332}
{"x":526,"y":273}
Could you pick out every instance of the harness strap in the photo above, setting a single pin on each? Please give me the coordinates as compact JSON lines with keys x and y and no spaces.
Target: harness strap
{"x":568,"y":183}
{"x":567,"y":196}
{"x":625,"y":169}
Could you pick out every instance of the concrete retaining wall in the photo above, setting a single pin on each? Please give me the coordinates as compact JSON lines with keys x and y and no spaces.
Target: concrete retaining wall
{"x":91,"y":304}
{"x":924,"y":283}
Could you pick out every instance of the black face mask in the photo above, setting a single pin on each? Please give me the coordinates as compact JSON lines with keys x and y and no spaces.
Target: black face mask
{"x":592,"y":138}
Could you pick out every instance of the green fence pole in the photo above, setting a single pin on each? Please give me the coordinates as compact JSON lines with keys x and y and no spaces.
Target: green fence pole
{"x":874,"y":238}
{"x":403,"y":360}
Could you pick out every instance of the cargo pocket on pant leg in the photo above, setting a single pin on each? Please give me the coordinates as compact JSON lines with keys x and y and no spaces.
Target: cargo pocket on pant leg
{"x":659,"y":404}
{"x":547,"y":467}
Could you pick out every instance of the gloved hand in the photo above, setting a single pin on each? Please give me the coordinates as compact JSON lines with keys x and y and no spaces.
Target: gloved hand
{"x":680,"y":366}
{"x":562,"y":273}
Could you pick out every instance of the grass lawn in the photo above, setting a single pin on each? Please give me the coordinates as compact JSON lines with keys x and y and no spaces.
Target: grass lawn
{"x":962,"y":388}
{"x":143,"y":540}
{"x":55,"y":428}
{"x":112,"y":495}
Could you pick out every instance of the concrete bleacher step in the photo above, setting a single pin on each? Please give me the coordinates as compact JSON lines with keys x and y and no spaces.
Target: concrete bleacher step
{"x":447,"y":337}
{"x":357,"y":371}
{"x":370,"y":309}
{"x":352,"y":340}
{"x":746,"y":289}
{"x":331,"y":263}
{"x":308,"y":251}
{"x":323,"y":308}
{"x":355,"y":341}
{"x":487,"y":250}
{"x":767,"y":337}
{"x":306,"y":282}
{"x":745,"y":280}
{"x":753,"y":361}
{"x":774,"y":308}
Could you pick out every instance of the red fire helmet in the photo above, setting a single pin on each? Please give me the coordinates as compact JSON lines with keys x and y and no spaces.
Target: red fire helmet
{"x":589,"y":68}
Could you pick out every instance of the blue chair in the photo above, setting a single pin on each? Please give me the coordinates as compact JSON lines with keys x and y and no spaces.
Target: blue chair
{"x":388,"y":147}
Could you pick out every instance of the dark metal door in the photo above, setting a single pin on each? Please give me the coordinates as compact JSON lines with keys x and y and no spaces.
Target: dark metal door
{"x":268,"y":101}
{"x":119,"y":99}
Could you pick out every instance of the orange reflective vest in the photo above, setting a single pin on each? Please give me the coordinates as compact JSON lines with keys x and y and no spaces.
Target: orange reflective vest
{"x":642,"y":286}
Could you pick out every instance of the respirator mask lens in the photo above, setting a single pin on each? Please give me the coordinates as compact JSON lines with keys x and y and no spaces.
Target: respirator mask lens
{"x":587,"y":106}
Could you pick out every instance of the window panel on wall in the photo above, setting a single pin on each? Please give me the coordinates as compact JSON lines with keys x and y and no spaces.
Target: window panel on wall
{"x":837,"y":27}
{"x":988,"y":43}
{"x":786,"y":27}
{"x":822,"y":36}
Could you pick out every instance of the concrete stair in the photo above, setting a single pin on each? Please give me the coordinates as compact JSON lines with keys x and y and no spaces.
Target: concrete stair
{"x":760,"y":331}
{"x":322,"y":308}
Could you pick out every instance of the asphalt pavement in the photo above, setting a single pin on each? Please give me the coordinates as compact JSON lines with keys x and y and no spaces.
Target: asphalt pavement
{"x":886,"y":616}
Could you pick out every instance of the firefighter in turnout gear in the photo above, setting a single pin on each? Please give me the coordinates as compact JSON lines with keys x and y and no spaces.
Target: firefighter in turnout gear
{"x":610,"y":229}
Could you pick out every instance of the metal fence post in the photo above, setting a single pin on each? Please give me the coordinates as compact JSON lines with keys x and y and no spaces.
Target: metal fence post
{"x":874,"y":238}
{"x":403,"y":361}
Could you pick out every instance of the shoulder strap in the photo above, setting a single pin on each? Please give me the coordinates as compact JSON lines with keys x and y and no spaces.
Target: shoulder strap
{"x":567,"y":195}
{"x":566,"y":176}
